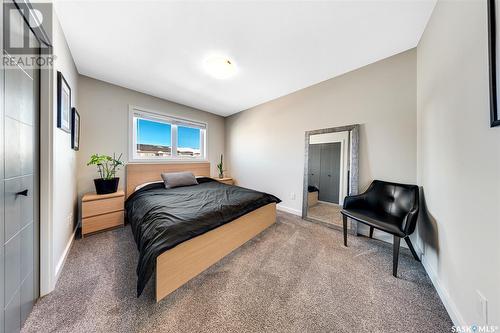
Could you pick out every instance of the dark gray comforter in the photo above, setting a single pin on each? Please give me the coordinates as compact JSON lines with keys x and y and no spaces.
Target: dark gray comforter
{"x":162,"y":218}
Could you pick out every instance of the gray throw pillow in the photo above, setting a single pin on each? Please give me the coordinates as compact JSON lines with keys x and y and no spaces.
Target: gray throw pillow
{"x":177,"y":179}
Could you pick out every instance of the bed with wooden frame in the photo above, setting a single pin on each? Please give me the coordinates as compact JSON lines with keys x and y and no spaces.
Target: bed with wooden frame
{"x":180,"y":264}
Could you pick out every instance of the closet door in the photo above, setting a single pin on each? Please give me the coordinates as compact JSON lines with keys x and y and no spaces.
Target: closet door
{"x":314,"y":165}
{"x":330,"y":172}
{"x":19,"y":184}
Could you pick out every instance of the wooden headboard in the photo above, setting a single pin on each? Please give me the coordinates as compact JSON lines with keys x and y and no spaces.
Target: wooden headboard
{"x":138,"y":174}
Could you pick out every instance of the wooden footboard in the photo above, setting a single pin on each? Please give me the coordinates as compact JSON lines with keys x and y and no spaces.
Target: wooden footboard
{"x":180,"y":264}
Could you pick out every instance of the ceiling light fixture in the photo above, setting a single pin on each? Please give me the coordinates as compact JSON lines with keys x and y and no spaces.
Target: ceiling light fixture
{"x":219,"y":67}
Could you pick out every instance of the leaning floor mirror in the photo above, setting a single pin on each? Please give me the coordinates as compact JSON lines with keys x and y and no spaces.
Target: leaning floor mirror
{"x":330,"y":173}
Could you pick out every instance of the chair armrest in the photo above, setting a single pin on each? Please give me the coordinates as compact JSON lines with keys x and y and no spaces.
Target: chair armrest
{"x":353,"y":201}
{"x":410,"y":221}
{"x":358,"y":200}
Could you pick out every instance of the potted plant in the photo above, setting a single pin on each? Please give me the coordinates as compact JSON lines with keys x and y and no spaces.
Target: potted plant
{"x":107,"y":167}
{"x":220,"y":167}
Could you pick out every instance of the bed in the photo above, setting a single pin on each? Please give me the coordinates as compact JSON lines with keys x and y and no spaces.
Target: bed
{"x":180,"y":232}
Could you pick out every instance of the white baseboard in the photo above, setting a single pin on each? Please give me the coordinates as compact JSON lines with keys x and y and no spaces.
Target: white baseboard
{"x":62,"y":260}
{"x":448,"y":303}
{"x":289,"y":210}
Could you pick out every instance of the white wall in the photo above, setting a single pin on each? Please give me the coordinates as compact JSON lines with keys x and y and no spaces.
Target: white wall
{"x":58,"y":227}
{"x":265,"y":144}
{"x":459,"y":161}
{"x":104,"y":110}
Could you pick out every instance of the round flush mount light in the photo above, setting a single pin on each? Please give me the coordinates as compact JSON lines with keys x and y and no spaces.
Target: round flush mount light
{"x":219,"y":67}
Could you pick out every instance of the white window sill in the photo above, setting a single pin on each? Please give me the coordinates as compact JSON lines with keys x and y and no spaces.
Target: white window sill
{"x":167,"y":161}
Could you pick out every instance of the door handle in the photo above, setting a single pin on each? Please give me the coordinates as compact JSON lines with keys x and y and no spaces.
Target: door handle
{"x":24,"y":192}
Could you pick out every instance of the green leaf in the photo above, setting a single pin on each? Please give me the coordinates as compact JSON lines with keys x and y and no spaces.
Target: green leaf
{"x":107,"y":166}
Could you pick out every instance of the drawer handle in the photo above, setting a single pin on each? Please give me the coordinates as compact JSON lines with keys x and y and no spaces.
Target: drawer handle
{"x":25,"y":193}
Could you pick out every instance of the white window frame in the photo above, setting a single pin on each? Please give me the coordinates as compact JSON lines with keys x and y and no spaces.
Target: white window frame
{"x":135,"y":111}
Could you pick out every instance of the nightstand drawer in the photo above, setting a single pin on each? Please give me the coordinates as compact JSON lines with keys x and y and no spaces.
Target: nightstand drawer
{"x":103,"y":206}
{"x":101,"y":222}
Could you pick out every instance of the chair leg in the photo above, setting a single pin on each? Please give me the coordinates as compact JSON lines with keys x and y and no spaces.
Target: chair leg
{"x":371,"y":232}
{"x":344,"y":218}
{"x":395,"y":255}
{"x":412,"y":249}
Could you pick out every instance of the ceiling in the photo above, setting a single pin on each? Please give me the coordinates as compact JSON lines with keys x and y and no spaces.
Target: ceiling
{"x":278,"y":47}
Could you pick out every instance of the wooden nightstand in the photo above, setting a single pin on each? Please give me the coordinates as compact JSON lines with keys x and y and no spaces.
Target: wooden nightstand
{"x":102,"y":211}
{"x":225,"y":180}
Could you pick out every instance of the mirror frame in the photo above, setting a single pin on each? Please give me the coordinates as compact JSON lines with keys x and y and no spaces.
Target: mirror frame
{"x":353,"y":168}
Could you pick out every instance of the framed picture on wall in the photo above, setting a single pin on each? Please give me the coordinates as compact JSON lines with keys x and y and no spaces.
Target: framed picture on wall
{"x":75,"y":129}
{"x":63,"y":103}
{"x":494,"y":54}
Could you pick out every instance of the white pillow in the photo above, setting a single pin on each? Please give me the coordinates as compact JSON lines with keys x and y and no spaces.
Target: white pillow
{"x":138,"y":187}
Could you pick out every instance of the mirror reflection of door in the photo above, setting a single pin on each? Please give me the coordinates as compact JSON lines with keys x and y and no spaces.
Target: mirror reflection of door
{"x":314,"y":165}
{"x":328,"y":163}
{"x":330,"y":175}
{"x":324,"y":170}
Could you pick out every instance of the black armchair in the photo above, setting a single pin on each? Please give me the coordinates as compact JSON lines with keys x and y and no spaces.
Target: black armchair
{"x":389,"y":207}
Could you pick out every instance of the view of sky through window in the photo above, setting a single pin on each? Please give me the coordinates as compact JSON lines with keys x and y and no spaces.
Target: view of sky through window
{"x":188,"y":137}
{"x":157,"y":133}
{"x":153,"y":133}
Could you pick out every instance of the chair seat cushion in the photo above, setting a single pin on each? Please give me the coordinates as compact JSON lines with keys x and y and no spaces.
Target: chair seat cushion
{"x":383,"y":222}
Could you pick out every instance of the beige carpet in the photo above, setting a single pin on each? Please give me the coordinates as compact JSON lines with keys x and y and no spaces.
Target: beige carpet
{"x":325,"y":213}
{"x":294,"y":277}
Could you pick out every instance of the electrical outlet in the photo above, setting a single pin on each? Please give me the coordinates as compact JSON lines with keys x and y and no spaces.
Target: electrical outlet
{"x":70,"y":219}
{"x":482,"y":308}
{"x":292,"y":195}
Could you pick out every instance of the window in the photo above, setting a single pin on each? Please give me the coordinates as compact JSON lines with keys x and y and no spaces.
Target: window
{"x":188,"y":141}
{"x":154,"y":138}
{"x":159,"y":137}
